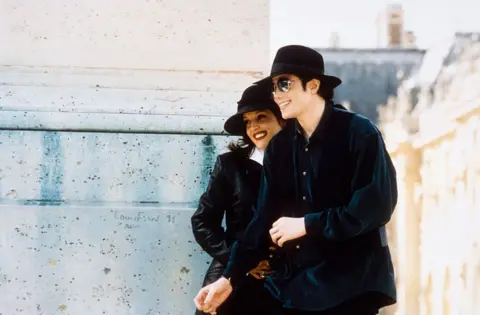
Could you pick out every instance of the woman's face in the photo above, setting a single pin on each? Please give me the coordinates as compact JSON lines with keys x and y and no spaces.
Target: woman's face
{"x":261,"y":126}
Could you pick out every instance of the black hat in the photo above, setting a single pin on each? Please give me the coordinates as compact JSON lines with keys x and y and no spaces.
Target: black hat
{"x":255,"y":98}
{"x":300,"y":60}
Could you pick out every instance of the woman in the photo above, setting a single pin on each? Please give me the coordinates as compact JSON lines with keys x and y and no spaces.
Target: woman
{"x":232,"y":192}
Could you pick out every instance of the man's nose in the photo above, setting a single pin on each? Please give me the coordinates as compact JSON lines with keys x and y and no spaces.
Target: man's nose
{"x":276,"y":96}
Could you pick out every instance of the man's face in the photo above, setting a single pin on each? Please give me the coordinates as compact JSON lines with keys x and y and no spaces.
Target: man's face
{"x":290,"y":96}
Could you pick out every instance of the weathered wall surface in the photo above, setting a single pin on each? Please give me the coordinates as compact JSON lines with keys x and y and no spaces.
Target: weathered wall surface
{"x":111,"y":115}
{"x":91,"y":259}
{"x":105,"y":167}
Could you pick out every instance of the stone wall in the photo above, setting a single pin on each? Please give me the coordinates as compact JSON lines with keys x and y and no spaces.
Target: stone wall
{"x":111,"y":115}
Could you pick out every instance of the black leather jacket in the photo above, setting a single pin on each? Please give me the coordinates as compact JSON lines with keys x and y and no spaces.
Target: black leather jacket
{"x":232,"y":192}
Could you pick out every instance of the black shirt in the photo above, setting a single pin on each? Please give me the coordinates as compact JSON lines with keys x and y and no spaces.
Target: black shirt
{"x":342,"y":181}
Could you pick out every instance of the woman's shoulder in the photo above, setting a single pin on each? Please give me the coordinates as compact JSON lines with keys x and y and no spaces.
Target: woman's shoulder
{"x":230,"y":159}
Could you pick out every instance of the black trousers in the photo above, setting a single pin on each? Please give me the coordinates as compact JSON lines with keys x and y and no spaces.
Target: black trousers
{"x":353,"y":307}
{"x":253,"y":299}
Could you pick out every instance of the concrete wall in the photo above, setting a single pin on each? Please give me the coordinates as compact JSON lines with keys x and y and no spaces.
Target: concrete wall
{"x":111,"y":115}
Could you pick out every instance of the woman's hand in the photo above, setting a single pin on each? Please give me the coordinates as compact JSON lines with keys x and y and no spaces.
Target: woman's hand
{"x":262,"y":270}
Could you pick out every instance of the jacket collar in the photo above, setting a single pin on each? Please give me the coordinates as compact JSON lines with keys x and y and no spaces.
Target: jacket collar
{"x":319,"y":132}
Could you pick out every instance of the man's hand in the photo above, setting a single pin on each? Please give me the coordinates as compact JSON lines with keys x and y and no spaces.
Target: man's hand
{"x":286,"y":229}
{"x":261,"y":271}
{"x":209,"y":298}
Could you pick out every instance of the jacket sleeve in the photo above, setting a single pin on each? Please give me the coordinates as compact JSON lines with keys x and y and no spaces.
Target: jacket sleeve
{"x":207,"y":219}
{"x":253,"y":247}
{"x":374,"y":196}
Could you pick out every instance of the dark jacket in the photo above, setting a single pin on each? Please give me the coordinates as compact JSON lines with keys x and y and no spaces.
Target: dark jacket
{"x":231,"y":193}
{"x":349,"y":196}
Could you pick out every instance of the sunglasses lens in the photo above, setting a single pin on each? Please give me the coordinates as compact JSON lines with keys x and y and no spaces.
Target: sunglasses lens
{"x":283,"y":85}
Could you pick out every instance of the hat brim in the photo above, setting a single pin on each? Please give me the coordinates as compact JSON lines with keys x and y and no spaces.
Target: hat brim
{"x":234,"y":125}
{"x":279,"y":69}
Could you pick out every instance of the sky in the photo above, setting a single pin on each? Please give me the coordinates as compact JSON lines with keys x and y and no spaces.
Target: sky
{"x":311,"y":22}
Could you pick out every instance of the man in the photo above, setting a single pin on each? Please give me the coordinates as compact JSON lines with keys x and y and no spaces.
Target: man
{"x":328,"y":189}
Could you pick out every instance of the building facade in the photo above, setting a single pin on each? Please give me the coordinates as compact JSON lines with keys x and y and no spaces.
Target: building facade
{"x":369,"y":76}
{"x":432,"y":130}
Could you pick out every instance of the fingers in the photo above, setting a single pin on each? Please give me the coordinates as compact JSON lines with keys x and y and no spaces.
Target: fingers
{"x":261,"y":271}
{"x":209,"y":298}
{"x":276,"y":235}
{"x":265,"y":270}
{"x":282,"y":241}
{"x":256,"y":275}
{"x":199,"y":299}
{"x":211,"y":310}
{"x":213,"y":295}
{"x":210,"y":305}
{"x":276,"y":232}
{"x":263,"y":264}
{"x":272,"y":231}
{"x":260,"y":275}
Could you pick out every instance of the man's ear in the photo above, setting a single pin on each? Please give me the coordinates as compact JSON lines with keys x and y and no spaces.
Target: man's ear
{"x":313,"y":86}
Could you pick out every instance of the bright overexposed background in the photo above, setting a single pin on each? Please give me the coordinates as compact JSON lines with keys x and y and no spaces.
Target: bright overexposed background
{"x":311,"y":22}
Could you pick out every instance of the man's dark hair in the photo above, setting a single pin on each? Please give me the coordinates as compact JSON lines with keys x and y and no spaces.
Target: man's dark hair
{"x":325,"y":91}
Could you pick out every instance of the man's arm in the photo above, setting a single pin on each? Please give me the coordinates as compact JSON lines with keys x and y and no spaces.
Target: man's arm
{"x":374,"y":197}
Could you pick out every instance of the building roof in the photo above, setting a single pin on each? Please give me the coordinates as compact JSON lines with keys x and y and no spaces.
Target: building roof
{"x":369,"y":76}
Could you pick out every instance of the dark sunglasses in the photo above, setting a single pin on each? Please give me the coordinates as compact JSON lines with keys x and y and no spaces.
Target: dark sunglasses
{"x":282,"y":85}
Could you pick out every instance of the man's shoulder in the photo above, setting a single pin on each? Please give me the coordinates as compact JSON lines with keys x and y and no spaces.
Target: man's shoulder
{"x":282,"y":141}
{"x":284,"y":135}
{"x":356,"y":124}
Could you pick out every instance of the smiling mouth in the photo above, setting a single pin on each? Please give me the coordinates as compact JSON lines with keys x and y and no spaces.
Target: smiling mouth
{"x":283,"y":105}
{"x":260,"y":135}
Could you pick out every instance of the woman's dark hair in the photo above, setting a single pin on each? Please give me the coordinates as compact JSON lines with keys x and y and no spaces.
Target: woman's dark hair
{"x":244,"y":146}
{"x":325,"y":91}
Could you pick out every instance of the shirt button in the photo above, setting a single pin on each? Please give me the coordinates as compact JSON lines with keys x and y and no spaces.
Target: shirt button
{"x":298,"y":246}
{"x":304,"y":173}
{"x":304,"y":198}
{"x":306,"y":149}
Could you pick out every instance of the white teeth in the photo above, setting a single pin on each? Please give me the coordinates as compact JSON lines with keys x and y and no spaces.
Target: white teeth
{"x":260,"y":135}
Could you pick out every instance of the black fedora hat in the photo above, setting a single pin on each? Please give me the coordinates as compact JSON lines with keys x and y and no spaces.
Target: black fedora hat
{"x":255,"y":98}
{"x":300,"y":60}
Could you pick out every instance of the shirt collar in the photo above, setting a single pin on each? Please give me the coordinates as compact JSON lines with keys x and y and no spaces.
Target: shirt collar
{"x":257,"y":156}
{"x":319,"y":132}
